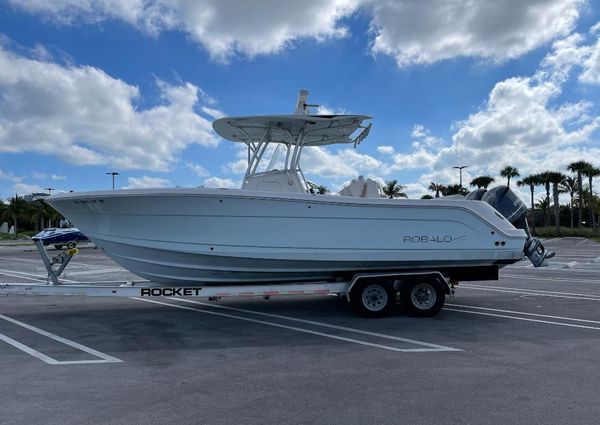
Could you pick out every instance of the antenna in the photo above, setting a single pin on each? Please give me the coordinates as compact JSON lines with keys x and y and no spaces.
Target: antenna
{"x":302,"y":98}
{"x":301,"y":105}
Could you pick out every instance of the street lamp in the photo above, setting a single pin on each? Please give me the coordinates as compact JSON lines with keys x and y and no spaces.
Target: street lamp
{"x":113,"y":174}
{"x":49,"y":189}
{"x":460,"y":172}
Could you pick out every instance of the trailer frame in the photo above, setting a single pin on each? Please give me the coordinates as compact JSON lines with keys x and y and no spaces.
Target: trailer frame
{"x":389,"y":285}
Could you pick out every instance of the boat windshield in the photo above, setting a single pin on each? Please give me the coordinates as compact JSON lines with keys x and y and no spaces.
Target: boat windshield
{"x":278,"y":159}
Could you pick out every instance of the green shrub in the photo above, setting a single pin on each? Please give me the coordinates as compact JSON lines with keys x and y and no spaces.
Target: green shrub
{"x":550,"y":232}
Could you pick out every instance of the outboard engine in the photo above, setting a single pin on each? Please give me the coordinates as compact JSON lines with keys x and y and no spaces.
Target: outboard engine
{"x":507,"y":203}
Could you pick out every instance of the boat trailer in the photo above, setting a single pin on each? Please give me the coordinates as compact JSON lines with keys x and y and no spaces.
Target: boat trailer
{"x":371,"y":294}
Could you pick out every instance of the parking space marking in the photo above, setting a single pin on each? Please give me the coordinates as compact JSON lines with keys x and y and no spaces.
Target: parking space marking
{"x":297,"y":329}
{"x":550,"y":240}
{"x":552,"y":294}
{"x":324,"y":325}
{"x":526,"y":319}
{"x":31,"y":276}
{"x":570,"y":319}
{"x":557,"y":279}
{"x":4,"y":273}
{"x":102,"y":358}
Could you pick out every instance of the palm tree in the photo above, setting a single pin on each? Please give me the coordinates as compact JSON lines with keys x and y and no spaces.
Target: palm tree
{"x":545,"y":180}
{"x":509,"y":172}
{"x":555,"y":178}
{"x":532,"y":181}
{"x":437,"y":188}
{"x":456,"y":189}
{"x":591,"y":172}
{"x":321,"y":190}
{"x":16,"y":209}
{"x":569,"y":185}
{"x":394,"y":190}
{"x":578,"y":167}
{"x":38,"y":213}
{"x":543,"y":203}
{"x":482,"y":181}
{"x":2,"y":209}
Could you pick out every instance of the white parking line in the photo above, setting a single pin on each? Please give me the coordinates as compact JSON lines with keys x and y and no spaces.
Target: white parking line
{"x":103,"y":358}
{"x":4,"y":273}
{"x":570,"y":319}
{"x":297,"y":329}
{"x":324,"y":325}
{"x":504,"y":316}
{"x":97,"y":270}
{"x":31,"y":276}
{"x":552,"y":294}
{"x":556,"y":279}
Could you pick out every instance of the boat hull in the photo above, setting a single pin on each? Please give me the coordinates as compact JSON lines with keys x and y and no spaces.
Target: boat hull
{"x":212,"y":236}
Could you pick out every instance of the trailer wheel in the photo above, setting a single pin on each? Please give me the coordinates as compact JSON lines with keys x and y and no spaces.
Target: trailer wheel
{"x":373,"y":299}
{"x":423,"y":298}
{"x":58,"y":246}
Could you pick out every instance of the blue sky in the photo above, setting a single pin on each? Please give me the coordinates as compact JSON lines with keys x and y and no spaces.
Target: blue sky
{"x":88,"y":87}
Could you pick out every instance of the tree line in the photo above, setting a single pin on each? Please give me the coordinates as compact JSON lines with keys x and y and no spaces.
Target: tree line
{"x":30,"y":215}
{"x":582,"y":198}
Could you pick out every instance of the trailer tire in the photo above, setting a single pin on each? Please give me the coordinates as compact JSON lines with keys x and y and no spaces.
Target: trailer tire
{"x":58,"y":246}
{"x":423,"y":298}
{"x":373,"y":299}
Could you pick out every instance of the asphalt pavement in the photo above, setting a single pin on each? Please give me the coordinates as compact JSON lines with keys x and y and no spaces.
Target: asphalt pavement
{"x":521,"y":350}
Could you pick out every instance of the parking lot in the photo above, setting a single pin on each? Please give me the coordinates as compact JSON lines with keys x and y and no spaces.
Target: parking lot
{"x":524,"y":349}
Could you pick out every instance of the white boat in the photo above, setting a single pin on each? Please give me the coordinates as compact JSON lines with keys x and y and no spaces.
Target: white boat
{"x":275,"y":229}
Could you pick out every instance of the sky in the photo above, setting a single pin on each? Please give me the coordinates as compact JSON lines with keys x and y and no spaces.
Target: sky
{"x":94,"y":86}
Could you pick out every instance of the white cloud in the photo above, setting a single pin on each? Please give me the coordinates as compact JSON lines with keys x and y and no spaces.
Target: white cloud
{"x":422,"y":137}
{"x":327,"y":110}
{"x":221,"y":183}
{"x":197,"y":169}
{"x":237,"y":167}
{"x":345,"y":163}
{"x":523,"y":123}
{"x":359,"y":161}
{"x":43,"y":176}
{"x":573,"y":52}
{"x":418,"y":159}
{"x":385,"y":150}
{"x":213,"y":113}
{"x":424,"y":32}
{"x":146,"y":182}
{"x":413,"y":32}
{"x":591,"y":65}
{"x":84,"y":116}
{"x":415,"y":190}
{"x":9,"y":175}
{"x":222,"y":27}
{"x":39,"y":176}
{"x":26,"y":189}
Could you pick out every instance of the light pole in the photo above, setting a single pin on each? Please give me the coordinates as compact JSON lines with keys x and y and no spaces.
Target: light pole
{"x":460,"y":172}
{"x":49,"y":189}
{"x":113,"y":174}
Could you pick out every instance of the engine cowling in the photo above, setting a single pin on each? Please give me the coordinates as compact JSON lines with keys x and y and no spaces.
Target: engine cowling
{"x":507,"y":203}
